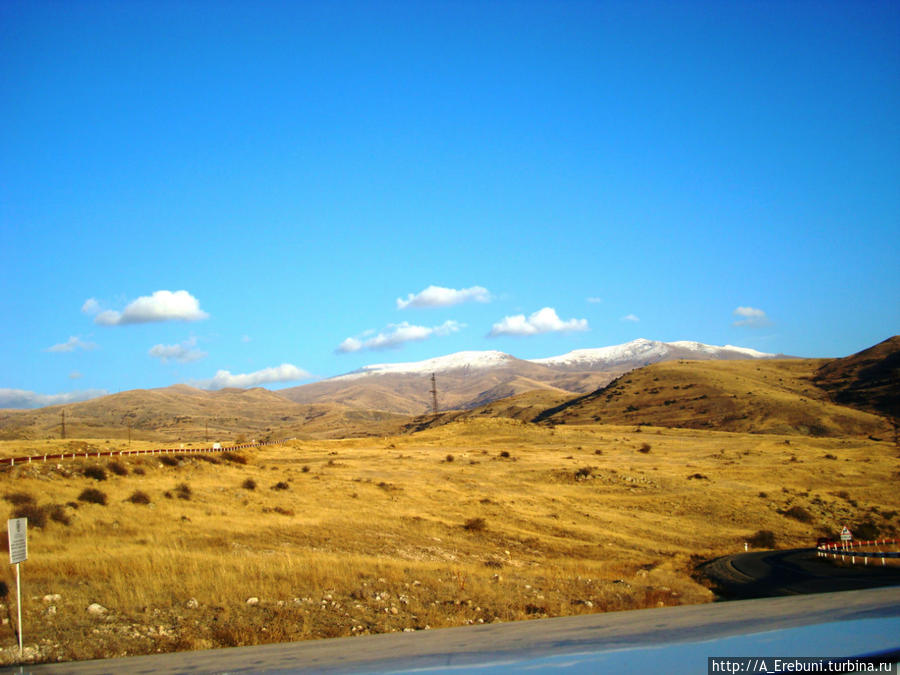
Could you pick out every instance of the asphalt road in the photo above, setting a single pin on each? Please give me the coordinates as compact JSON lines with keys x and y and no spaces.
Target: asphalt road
{"x":798,"y":571}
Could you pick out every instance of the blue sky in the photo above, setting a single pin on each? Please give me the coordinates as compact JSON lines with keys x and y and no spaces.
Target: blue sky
{"x":189,"y":188}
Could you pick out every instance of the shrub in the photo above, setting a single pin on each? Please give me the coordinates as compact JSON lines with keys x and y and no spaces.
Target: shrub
{"x":305,"y":468}
{"x":95,"y":472}
{"x":37,"y":516}
{"x":249,"y":484}
{"x":138,"y":497}
{"x":598,"y":452}
{"x":799,"y":513}
{"x":183,"y":490}
{"x":139,"y":471}
{"x":504,"y":454}
{"x":645,"y":448}
{"x":57,"y":513}
{"x":763,"y":495}
{"x":475,"y":524}
{"x":583,"y":473}
{"x":93,"y":496}
{"x":118,"y":468}
{"x":19,"y":498}
{"x":168,"y":460}
{"x":762,"y":539}
{"x":234,"y":457}
{"x":866,"y":530}
{"x":450,"y":458}
{"x":281,"y":486}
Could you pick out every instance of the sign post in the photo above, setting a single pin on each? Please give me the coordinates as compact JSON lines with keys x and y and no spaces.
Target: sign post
{"x":846,"y":536}
{"x":17,"y":529}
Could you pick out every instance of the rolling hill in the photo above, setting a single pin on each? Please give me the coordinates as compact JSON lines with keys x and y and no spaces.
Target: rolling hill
{"x":181,"y":412}
{"x":869,"y":380}
{"x":777,"y":396}
{"x":468,"y":380}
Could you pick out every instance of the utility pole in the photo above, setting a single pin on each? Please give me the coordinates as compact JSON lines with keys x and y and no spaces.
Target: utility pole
{"x":433,"y":395}
{"x":63,"y":423}
{"x":207,"y":431}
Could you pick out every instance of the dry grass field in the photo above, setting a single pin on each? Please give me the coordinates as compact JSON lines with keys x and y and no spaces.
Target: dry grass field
{"x":480,"y":520}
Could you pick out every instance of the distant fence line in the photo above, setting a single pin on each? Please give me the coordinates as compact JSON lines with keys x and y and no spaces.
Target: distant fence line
{"x":28,"y":459}
{"x":846,"y":550}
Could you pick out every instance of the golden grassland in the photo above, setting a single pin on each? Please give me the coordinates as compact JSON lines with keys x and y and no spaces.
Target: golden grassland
{"x":477,"y":521}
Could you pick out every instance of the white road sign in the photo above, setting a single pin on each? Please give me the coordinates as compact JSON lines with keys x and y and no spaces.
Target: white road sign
{"x":846,"y":535}
{"x":18,"y":540}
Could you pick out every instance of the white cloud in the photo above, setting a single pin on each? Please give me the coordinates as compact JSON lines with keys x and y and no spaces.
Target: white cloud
{"x":594,"y":300}
{"x":161,"y":306}
{"x":19,"y":398}
{"x":283,"y":373}
{"x":542,"y":321}
{"x":75,"y":375}
{"x":397,"y":335}
{"x":71,"y":345}
{"x":630,"y":317}
{"x":349,"y":345}
{"x":90,"y":306}
{"x":751,"y":316}
{"x":183,"y":353}
{"x":438,"y":296}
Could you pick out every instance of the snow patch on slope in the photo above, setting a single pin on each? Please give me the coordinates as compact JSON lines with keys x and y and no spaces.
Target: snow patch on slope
{"x":473,"y":360}
{"x":644,"y":351}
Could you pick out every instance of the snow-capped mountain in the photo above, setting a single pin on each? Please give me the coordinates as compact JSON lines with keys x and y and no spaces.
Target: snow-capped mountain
{"x":471,"y":378}
{"x":642,"y":352}
{"x":470,"y":360}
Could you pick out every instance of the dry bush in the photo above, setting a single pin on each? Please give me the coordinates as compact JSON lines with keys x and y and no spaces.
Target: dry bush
{"x":118,"y":468}
{"x":139,"y":497}
{"x":281,"y":485}
{"x":799,"y":513}
{"x":249,"y":484}
{"x":762,"y":539}
{"x":37,"y":515}
{"x":866,"y":530}
{"x":234,"y":457}
{"x":95,"y":472}
{"x":57,"y":513}
{"x":475,"y":525}
{"x":93,"y":496}
{"x":645,"y":448}
{"x":19,"y":498}
{"x":168,"y":460}
{"x":183,"y":491}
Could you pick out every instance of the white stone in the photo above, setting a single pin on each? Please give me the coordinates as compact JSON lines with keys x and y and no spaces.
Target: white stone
{"x":96,"y":609}
{"x":253,"y":601}
{"x":192,"y":603}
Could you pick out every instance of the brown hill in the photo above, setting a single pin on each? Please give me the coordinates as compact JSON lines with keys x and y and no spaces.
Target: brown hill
{"x":458,"y":389}
{"x":869,"y":380}
{"x":773,"y":396}
{"x":181,"y":412}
